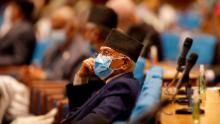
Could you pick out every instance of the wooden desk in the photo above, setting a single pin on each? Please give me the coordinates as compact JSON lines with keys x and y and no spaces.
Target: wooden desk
{"x":169,"y":68}
{"x":10,"y":69}
{"x":211,"y":116}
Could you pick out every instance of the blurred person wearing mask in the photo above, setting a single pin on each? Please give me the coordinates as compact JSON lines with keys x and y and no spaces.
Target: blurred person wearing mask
{"x":125,"y":10}
{"x":17,"y":40}
{"x":69,"y":50}
{"x":43,"y":12}
{"x":115,"y":100}
{"x":64,"y":51}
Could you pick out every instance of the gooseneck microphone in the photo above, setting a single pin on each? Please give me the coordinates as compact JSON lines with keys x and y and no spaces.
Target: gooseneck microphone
{"x":184,"y":81}
{"x":182,"y":58}
{"x":181,"y":62}
{"x":189,"y":65}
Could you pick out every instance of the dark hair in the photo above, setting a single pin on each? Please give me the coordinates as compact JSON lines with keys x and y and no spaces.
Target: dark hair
{"x":26,"y":8}
{"x":103,"y":16}
{"x":138,"y":31}
{"x":104,"y":32}
{"x":147,"y":35}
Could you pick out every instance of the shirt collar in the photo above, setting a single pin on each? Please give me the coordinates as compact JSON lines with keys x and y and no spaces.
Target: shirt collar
{"x":111,"y":78}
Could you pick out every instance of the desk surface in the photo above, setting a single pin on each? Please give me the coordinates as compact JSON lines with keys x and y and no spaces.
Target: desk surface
{"x":211,"y":116}
{"x":170,"y":70}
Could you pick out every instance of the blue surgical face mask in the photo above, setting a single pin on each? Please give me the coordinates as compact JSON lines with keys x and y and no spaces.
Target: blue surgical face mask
{"x":102,"y":66}
{"x":58,"y":36}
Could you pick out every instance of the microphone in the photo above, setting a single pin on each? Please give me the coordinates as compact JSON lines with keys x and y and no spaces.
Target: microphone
{"x":182,"y":58}
{"x":189,"y":65}
{"x":181,"y":62}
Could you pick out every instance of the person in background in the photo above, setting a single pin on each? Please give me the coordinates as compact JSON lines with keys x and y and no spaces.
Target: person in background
{"x":115,"y":100}
{"x":149,"y":37}
{"x":18,"y":40}
{"x":14,"y":104}
{"x":125,"y":10}
{"x":159,"y":15}
{"x":100,"y":22}
{"x":65,"y":50}
{"x":42,"y":15}
{"x":62,"y":61}
{"x":213,"y":72}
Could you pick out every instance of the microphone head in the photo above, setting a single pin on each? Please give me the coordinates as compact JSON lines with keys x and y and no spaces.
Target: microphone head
{"x":188,"y":42}
{"x":181,"y":62}
{"x":189,"y":65}
{"x":192,"y":60}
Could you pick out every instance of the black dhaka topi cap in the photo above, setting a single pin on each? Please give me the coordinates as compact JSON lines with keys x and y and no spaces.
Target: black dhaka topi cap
{"x":103,"y":16}
{"x":124,"y":44}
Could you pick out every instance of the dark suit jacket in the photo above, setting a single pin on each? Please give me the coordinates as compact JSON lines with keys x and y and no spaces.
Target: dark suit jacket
{"x":112,"y":102}
{"x":17,"y":46}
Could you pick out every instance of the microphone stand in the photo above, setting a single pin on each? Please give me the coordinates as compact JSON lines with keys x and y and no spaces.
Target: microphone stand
{"x":180,"y":68}
{"x":188,"y":99}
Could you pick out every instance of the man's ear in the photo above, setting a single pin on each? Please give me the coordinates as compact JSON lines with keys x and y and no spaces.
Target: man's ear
{"x":126,"y":64}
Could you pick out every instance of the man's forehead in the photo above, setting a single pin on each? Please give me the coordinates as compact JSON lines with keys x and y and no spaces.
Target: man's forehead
{"x":104,"y":48}
{"x":109,"y":50}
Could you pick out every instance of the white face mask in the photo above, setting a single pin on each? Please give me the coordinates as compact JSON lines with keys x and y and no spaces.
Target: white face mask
{"x":58,"y":36}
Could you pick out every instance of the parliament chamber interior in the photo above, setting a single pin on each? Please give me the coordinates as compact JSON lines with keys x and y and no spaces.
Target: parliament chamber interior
{"x":109,"y":61}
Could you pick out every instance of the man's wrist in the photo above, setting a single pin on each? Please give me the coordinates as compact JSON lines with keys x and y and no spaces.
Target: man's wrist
{"x":79,"y":80}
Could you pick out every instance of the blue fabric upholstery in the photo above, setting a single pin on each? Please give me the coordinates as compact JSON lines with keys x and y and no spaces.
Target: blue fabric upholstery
{"x":39,"y":52}
{"x":189,"y":20}
{"x":150,"y":92}
{"x":170,"y":45}
{"x":139,"y":70}
{"x":204,"y":45}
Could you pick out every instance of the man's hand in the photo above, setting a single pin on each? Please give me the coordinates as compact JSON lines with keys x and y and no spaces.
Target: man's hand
{"x":86,"y":68}
{"x":84,"y":72}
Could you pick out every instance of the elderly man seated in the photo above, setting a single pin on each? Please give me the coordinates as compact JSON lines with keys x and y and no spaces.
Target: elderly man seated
{"x":113,"y":101}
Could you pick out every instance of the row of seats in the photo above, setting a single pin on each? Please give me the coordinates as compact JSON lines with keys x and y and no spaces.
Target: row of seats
{"x":203,"y":44}
{"x":46,"y":95}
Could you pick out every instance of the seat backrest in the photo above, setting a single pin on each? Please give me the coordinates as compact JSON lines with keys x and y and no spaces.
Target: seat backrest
{"x":150,"y":92}
{"x":39,"y":52}
{"x":170,"y":45}
{"x":189,"y":20}
{"x":204,"y":45}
